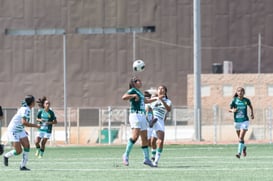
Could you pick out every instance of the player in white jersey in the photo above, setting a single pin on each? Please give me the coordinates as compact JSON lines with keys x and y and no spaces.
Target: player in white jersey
{"x":17,"y":134}
{"x":160,"y":108}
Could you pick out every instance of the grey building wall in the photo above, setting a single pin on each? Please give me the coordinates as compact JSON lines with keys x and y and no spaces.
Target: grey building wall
{"x":99,"y":66}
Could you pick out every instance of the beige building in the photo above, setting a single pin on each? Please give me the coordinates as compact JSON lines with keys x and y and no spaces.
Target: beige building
{"x":219,"y":89}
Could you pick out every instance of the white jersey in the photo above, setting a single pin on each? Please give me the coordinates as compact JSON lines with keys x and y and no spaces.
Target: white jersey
{"x":15,"y":124}
{"x":159,"y":110}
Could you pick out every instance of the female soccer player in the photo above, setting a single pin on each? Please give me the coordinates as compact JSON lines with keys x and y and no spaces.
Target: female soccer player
{"x":160,"y":108}
{"x":137,"y":119}
{"x":17,"y":134}
{"x":238,"y":107}
{"x":46,"y":118}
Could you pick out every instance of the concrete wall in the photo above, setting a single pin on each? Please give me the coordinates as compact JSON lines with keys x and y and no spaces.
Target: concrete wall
{"x":99,"y":66}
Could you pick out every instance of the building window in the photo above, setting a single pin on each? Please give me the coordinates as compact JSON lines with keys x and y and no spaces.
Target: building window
{"x":227,"y":90}
{"x":270,"y":90}
{"x":250,"y":90}
{"x":46,"y":31}
{"x":144,"y":29}
{"x":205,"y":91}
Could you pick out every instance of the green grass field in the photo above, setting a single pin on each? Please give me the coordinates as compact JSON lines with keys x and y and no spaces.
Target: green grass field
{"x":178,"y":162}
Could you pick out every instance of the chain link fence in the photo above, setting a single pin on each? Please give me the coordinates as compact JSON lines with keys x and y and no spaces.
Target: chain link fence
{"x":110,"y":125}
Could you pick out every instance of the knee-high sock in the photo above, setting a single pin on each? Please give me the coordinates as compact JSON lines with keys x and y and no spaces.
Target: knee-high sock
{"x":153,"y":151}
{"x":11,"y":153}
{"x":129,"y":147}
{"x":25,"y":157}
{"x":240,"y":146}
{"x":158,"y":154}
{"x":42,"y":152}
{"x":145,"y":151}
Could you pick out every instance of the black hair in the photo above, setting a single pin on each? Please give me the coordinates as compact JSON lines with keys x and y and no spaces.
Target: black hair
{"x":132,"y":82}
{"x":165,"y":88}
{"x":147,"y":94}
{"x":29,"y":99}
{"x":41,"y":101}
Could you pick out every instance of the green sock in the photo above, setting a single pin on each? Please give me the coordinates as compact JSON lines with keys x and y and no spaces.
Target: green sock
{"x":159,"y":150}
{"x":42,"y":152}
{"x":129,"y":147}
{"x":14,"y":152}
{"x":240,"y":147}
{"x":153,"y":152}
{"x":145,"y":152}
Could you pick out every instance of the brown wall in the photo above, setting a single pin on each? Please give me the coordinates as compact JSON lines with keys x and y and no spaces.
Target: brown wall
{"x":99,"y":66}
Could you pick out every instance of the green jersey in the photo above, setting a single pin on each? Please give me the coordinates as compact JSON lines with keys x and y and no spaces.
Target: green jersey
{"x":46,"y":116}
{"x":241,"y":105}
{"x":137,"y":106}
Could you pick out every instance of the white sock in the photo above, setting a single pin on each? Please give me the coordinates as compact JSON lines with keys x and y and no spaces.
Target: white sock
{"x":157,"y":156}
{"x":24,"y":159}
{"x":10,"y":154}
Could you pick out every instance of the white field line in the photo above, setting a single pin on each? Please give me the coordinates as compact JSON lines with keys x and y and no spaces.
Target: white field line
{"x":146,"y":169}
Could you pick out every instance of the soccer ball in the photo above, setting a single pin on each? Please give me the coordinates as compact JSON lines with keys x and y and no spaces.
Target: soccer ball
{"x":138,"y":65}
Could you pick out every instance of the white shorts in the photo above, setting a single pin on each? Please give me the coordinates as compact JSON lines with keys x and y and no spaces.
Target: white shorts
{"x":151,"y":133}
{"x":242,"y":125}
{"x":159,"y":125}
{"x":138,"y":121}
{"x":15,"y":137}
{"x":43,"y":135}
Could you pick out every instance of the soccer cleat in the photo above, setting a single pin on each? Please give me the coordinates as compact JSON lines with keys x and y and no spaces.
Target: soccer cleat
{"x":24,"y":169}
{"x":151,"y":123}
{"x":41,"y":155}
{"x":125,"y":160}
{"x":238,"y":155}
{"x":6,"y":161}
{"x":244,"y":151}
{"x":37,"y":153}
{"x":148,"y":162}
{"x":155,"y":164}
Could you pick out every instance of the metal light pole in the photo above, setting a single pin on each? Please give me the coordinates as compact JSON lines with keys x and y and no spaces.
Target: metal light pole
{"x":65,"y":92}
{"x":197,"y":68}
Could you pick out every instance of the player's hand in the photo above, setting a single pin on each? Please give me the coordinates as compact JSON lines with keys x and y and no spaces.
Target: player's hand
{"x":160,"y":97}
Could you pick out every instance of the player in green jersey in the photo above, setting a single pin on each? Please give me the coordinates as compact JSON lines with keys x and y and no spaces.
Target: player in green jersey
{"x":137,"y":119}
{"x":238,"y":107}
{"x":46,"y":118}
